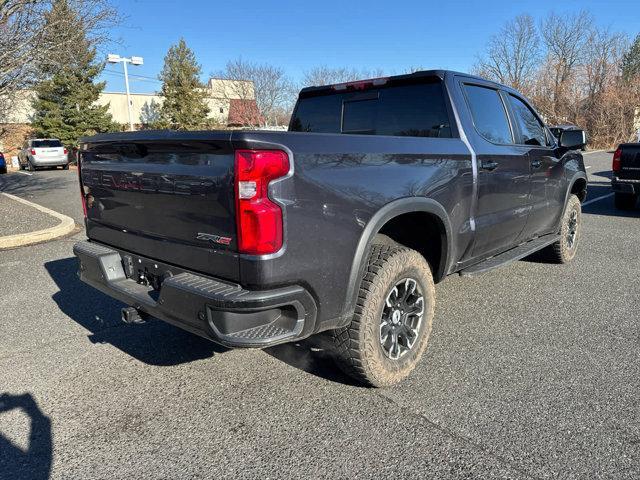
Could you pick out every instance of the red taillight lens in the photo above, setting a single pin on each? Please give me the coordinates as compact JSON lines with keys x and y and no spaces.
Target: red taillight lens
{"x":258,"y":219}
{"x":33,"y":151}
{"x":65,"y":151}
{"x":615,"y":165}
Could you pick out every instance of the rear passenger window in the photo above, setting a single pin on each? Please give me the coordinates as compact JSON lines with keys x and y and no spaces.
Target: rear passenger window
{"x":530,"y":127}
{"x":489,"y":115}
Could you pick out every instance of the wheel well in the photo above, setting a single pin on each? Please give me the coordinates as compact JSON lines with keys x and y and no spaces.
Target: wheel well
{"x":579,"y":188}
{"x":423,"y":232}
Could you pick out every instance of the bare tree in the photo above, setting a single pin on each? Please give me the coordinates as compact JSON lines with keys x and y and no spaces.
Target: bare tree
{"x":565,"y":38}
{"x":269,"y":84}
{"x":324,"y":75}
{"x":32,"y":45}
{"x":512,"y":54}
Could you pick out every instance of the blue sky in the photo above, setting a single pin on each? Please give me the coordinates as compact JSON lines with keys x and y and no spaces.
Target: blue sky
{"x":297,"y":36}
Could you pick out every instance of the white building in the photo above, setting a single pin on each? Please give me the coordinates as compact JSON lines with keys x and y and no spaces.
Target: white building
{"x":226,"y":98}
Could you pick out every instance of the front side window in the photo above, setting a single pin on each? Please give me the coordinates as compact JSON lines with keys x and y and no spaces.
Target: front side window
{"x":489,"y":115}
{"x":532,"y":130}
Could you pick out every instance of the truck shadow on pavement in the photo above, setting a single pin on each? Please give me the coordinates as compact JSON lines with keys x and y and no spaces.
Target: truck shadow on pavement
{"x":35,"y":461}
{"x":312,"y":356}
{"x":158,"y":343}
{"x":154,"y":342}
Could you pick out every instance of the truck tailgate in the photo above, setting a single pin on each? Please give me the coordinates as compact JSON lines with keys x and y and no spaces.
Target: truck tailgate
{"x":630,"y":161}
{"x":168,"y":197}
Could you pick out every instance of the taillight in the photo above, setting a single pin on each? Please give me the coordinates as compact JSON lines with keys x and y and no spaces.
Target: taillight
{"x":258,"y":219}
{"x":33,"y":151}
{"x":64,"y":150}
{"x":615,"y":165}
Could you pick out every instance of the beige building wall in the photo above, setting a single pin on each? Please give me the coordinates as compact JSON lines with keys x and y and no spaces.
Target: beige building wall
{"x":145,"y":107}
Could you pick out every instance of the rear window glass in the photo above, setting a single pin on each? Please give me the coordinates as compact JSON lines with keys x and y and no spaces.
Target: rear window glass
{"x":416,"y":110}
{"x":46,"y":143}
{"x":489,"y":115}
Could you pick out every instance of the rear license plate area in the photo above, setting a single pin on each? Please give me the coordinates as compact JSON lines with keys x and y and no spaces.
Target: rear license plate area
{"x":146,"y":272}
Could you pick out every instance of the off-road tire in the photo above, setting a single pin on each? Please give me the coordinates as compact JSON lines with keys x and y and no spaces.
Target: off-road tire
{"x":561,"y":251}
{"x":625,"y":201}
{"x":357,"y":347}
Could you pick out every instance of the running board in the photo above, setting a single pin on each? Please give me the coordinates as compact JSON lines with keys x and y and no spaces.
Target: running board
{"x":510,"y":256}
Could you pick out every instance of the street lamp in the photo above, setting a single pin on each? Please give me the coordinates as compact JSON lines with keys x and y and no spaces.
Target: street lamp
{"x":113,"y":58}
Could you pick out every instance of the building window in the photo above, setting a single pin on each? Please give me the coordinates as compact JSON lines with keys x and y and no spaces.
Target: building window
{"x":221,"y":110}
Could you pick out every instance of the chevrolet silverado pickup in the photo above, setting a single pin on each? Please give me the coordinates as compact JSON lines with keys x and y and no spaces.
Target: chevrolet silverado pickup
{"x":339,"y":226}
{"x":626,"y":175}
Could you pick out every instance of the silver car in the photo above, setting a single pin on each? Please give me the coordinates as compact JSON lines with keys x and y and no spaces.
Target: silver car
{"x":43,"y":152}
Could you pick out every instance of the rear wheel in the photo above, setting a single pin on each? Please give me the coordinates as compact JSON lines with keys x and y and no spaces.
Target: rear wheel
{"x":392,"y":322}
{"x":564,"y":250}
{"x":65,"y":167}
{"x":625,"y":201}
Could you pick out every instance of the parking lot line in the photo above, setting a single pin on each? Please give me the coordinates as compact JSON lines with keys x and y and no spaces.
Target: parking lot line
{"x":593,"y":151}
{"x":597,"y":199}
{"x":24,"y":173}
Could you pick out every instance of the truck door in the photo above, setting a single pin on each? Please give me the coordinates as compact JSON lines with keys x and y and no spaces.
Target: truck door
{"x":503,"y":172}
{"x":547,"y":173}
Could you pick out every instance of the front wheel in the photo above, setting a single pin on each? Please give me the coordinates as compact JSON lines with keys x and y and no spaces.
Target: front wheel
{"x":625,"y":201}
{"x":564,"y":250}
{"x":392,"y":322}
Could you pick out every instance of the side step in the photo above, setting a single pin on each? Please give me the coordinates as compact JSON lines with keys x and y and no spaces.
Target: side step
{"x":509,"y":256}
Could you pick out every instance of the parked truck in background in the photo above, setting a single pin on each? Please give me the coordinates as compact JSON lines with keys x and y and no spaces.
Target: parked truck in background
{"x":339,"y":226}
{"x":626,"y":175}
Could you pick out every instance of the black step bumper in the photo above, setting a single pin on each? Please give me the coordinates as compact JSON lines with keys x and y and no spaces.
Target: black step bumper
{"x":625,"y":185}
{"x":220,"y":311}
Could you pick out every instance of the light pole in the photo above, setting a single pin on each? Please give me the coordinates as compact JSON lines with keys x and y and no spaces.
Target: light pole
{"x":113,"y":58}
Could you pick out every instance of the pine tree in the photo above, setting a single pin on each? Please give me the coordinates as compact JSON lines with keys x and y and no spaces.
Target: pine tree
{"x":631,"y":60}
{"x":65,"y":103}
{"x":184,"y":106}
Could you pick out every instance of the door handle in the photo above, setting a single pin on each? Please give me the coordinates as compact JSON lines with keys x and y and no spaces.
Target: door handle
{"x":489,"y":165}
{"x":536,"y":163}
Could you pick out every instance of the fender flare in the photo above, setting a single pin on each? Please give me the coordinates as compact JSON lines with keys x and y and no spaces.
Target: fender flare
{"x":576,"y":176}
{"x":373,"y":226}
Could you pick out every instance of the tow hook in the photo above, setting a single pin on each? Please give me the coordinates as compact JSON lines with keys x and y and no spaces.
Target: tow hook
{"x":133,"y":316}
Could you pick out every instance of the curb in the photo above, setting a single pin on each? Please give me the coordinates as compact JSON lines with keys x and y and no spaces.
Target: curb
{"x":66,"y":225}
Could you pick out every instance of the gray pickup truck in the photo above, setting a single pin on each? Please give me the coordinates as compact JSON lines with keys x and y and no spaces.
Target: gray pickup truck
{"x":339,"y":226}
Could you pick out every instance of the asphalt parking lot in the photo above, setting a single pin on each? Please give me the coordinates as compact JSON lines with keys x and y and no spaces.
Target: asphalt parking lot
{"x":533,"y":371}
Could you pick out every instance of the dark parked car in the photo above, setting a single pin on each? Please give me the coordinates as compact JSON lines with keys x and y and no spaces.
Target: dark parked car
{"x":558,"y":129}
{"x":3,"y":164}
{"x":626,"y":175}
{"x":341,"y":225}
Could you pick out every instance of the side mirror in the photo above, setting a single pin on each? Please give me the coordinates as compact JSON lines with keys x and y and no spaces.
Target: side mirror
{"x":573,"y":139}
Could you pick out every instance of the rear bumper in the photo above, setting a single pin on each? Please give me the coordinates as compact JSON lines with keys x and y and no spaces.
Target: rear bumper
{"x":220,"y":311}
{"x":624,"y":185}
{"x":49,"y":161}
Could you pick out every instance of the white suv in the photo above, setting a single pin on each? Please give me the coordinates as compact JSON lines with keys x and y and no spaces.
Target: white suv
{"x":43,"y":152}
